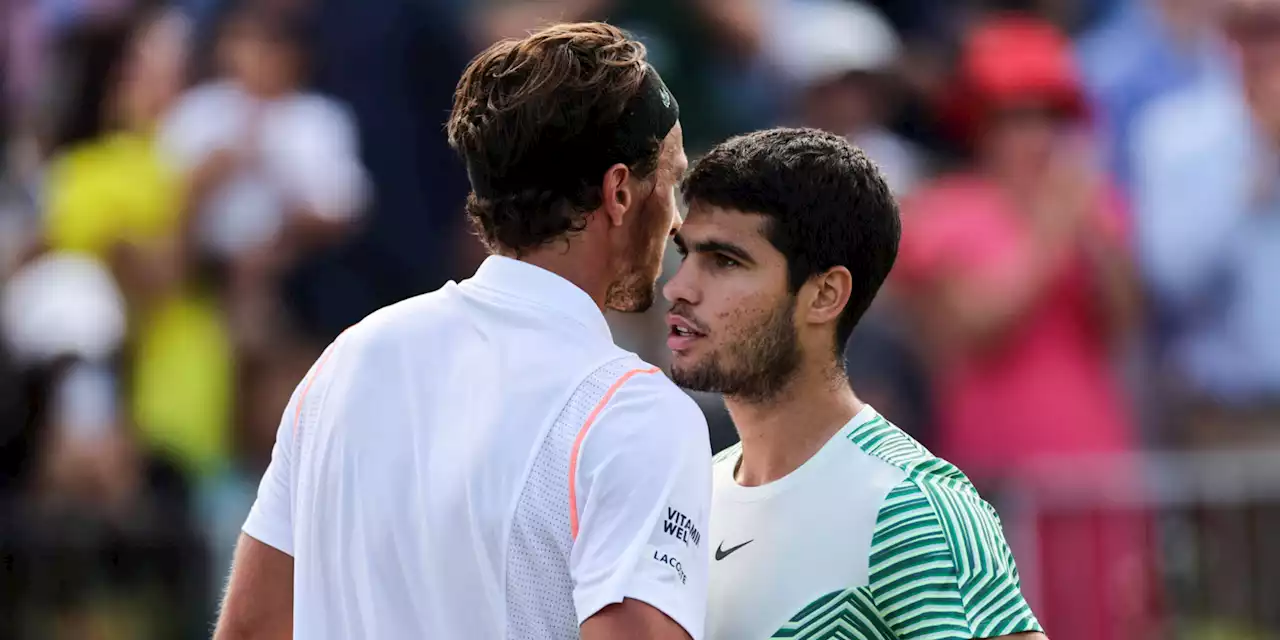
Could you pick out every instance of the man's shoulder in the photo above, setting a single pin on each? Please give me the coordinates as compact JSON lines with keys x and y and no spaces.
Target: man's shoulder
{"x":881,"y":439}
{"x":953,"y":515}
{"x":627,"y":382}
{"x":427,"y":309}
{"x":941,"y":547}
{"x":938,"y":545}
{"x":932,"y":493}
{"x":629,"y":411}
{"x":427,"y":326}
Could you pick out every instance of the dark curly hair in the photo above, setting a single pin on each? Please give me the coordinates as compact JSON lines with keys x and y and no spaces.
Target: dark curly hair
{"x":826,"y":203}
{"x":523,"y":106}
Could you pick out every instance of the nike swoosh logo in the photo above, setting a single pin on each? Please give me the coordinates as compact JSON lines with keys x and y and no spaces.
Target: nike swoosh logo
{"x":722,"y":553}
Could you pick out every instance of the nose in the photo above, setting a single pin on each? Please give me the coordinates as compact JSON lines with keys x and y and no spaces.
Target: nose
{"x":681,"y":286}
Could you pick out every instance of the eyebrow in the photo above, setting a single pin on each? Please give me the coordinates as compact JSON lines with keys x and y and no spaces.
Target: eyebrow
{"x":715,"y":246}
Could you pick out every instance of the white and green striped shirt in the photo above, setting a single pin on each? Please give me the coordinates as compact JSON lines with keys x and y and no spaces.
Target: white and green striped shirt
{"x":873,"y":538}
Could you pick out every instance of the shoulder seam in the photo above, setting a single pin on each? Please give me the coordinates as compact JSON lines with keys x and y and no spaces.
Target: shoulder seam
{"x":582,"y":435}
{"x":884,"y":441}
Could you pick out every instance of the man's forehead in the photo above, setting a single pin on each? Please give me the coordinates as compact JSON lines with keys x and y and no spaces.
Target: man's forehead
{"x":705,"y":220}
{"x":672,"y":150}
{"x":675,"y":138}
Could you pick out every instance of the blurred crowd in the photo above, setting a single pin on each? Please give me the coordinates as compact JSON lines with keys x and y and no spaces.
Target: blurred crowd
{"x":196,"y":196}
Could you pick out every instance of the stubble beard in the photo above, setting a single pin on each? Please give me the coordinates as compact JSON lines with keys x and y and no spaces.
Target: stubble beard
{"x":752,"y":369}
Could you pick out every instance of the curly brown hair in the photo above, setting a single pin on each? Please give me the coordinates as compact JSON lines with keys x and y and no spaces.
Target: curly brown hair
{"x":524,"y":106}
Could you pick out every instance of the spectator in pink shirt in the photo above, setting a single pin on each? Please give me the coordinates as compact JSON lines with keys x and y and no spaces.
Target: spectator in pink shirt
{"x":1017,"y":273}
{"x":1016,"y":266}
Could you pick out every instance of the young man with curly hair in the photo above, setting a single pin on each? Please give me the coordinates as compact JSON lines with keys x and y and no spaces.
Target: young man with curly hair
{"x":482,"y":461}
{"x":827,"y":520}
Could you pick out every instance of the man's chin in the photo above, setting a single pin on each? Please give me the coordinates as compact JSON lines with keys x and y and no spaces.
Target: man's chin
{"x":691,"y":378}
{"x":632,"y":301}
{"x":630,"y":306}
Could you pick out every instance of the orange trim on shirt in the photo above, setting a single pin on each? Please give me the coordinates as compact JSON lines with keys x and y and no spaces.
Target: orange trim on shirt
{"x":582,"y":434}
{"x":324,"y":357}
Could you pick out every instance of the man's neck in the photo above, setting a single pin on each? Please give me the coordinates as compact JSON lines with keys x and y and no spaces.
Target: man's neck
{"x":571,"y":264}
{"x":783,"y":432}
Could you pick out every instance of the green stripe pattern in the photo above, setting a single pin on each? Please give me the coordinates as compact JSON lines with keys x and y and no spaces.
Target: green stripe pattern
{"x":940,"y":568}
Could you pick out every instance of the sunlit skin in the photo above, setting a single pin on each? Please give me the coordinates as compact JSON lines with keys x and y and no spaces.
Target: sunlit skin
{"x":642,"y":238}
{"x":735,"y":326}
{"x":728,"y":298}
{"x":617,"y":257}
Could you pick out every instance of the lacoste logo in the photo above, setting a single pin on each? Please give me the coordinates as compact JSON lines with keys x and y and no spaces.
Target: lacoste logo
{"x":722,"y":553}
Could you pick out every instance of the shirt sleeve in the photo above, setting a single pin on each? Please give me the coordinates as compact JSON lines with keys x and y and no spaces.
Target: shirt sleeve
{"x":941,"y":569}
{"x":643,"y":492}
{"x":270,"y":520}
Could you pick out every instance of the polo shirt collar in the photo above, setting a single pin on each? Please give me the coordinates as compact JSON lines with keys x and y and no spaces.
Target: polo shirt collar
{"x":537,"y":285}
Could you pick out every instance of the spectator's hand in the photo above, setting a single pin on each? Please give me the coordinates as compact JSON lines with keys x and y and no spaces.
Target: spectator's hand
{"x":251,"y":306}
{"x":117,"y":472}
{"x":1069,"y":192}
{"x":101,"y":472}
{"x":220,"y":164}
{"x":149,"y":273}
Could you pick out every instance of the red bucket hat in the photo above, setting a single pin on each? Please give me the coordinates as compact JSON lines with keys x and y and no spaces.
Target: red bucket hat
{"x":1011,"y":60}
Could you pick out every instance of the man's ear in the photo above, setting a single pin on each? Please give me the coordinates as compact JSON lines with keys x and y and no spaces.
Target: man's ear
{"x":828,"y":295}
{"x":617,"y":195}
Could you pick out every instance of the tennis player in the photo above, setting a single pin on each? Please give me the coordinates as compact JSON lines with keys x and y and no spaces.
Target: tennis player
{"x":482,"y":461}
{"x":827,"y":521}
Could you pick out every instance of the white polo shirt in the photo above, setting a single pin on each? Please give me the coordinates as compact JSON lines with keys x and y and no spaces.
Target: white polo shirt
{"x":483,"y":462}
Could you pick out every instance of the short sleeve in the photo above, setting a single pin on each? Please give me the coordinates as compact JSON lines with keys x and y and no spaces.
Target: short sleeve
{"x":270,"y":520}
{"x":643,"y":492}
{"x":941,"y":568}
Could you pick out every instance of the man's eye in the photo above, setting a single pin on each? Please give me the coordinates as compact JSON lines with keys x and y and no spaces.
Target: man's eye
{"x":725,"y":262}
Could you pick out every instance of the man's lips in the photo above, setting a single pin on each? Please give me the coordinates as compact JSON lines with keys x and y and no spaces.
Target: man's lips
{"x":682,"y":333}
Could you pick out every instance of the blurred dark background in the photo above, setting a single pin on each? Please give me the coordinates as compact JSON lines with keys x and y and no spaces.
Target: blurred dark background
{"x":197,"y":195}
